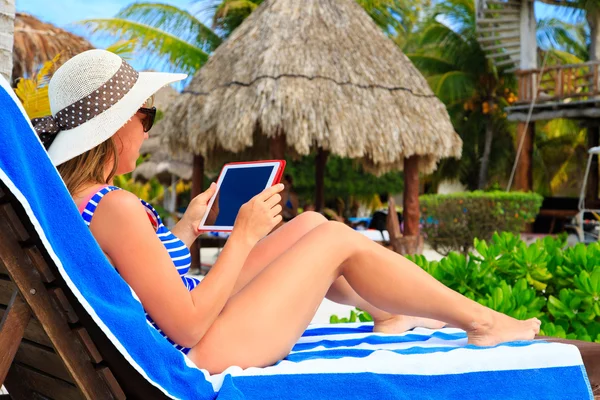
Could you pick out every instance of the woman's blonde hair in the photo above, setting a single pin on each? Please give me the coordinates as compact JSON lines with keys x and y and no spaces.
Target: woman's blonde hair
{"x":90,"y":166}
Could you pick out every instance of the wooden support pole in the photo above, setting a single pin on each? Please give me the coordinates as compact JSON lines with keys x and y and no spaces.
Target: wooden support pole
{"x":411,"y":213}
{"x":197,"y":188}
{"x":321,"y":162}
{"x":524,"y":173}
{"x":12,"y":328}
{"x":593,"y":140}
{"x":277,"y":147}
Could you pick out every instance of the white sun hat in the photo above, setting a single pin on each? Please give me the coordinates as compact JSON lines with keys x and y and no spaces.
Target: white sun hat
{"x":91,"y":97}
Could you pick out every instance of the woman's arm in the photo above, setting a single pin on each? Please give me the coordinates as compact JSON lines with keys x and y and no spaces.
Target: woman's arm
{"x":121,"y":227}
{"x":187,"y":228}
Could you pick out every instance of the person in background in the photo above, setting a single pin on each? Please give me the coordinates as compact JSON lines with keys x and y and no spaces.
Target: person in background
{"x":289,"y":200}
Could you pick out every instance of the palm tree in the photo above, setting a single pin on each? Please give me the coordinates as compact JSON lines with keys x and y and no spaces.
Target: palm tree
{"x":175,"y":39}
{"x":474,"y":91}
{"x":7,"y":28}
{"x":560,"y":145}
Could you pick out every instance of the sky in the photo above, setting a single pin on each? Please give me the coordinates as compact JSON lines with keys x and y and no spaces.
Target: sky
{"x":65,"y":12}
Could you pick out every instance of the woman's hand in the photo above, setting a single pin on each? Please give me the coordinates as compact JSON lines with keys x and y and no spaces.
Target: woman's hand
{"x":257,"y":218}
{"x":187,"y":228}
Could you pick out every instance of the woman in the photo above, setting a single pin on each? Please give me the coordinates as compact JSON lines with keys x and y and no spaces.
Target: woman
{"x":264,"y":289}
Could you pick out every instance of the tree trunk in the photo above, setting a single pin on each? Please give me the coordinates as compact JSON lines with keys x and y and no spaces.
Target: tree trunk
{"x":7,"y":29}
{"x":197,"y":188}
{"x":411,"y":214}
{"x":277,"y":147}
{"x":524,"y":173}
{"x":593,"y":133}
{"x":593,"y":19}
{"x":411,"y":242}
{"x":487,"y":150}
{"x":321,"y":162}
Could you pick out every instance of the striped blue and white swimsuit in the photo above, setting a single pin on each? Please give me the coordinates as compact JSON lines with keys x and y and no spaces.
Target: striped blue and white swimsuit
{"x":180,"y":254}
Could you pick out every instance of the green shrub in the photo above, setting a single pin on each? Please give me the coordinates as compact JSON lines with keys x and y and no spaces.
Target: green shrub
{"x":560,"y":285}
{"x":452,"y":222}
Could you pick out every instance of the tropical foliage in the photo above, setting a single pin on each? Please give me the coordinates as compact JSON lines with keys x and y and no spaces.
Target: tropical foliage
{"x":547,"y":280}
{"x":439,"y":39}
{"x":33,"y":92}
{"x":345,"y":180}
{"x":474,"y":91}
{"x":452,"y":222}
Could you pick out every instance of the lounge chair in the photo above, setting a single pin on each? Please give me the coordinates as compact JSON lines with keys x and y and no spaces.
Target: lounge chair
{"x":72,"y":329}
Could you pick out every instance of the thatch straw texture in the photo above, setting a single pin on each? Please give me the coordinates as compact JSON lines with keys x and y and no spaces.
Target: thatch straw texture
{"x":321,"y":73}
{"x":37,"y":42}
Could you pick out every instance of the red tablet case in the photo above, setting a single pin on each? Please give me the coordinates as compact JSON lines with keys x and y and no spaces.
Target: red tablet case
{"x":278,"y":176}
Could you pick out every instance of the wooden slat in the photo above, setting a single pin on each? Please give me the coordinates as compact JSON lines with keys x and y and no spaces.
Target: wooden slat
{"x":43,"y":359}
{"x":112,"y":383}
{"x":498,"y":37}
{"x":502,"y":46}
{"x":392,"y":224}
{"x":12,"y":329}
{"x":13,"y":221}
{"x":48,"y":386}
{"x":3,"y":270}
{"x":506,"y":11}
{"x":7,"y":288}
{"x":34,"y":332}
{"x":507,"y":62}
{"x":40,"y":264}
{"x":86,"y":341}
{"x":504,"y":3}
{"x":18,"y":387}
{"x":65,"y":343}
{"x":496,"y":29}
{"x":503,"y":54}
{"x":502,"y":21}
{"x":64,"y":305}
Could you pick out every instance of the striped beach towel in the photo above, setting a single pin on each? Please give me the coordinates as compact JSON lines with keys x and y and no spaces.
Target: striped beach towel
{"x":328,"y":362}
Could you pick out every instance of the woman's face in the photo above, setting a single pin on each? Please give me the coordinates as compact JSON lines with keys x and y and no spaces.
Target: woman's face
{"x":128,"y":140}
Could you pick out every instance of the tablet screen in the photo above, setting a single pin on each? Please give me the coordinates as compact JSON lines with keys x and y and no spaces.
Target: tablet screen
{"x":236,"y":186}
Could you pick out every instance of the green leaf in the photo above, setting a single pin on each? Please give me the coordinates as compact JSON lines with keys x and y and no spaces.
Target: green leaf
{"x":160,"y":48}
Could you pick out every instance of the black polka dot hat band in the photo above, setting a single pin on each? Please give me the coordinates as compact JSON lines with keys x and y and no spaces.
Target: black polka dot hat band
{"x":92,"y":96}
{"x":88,"y":107}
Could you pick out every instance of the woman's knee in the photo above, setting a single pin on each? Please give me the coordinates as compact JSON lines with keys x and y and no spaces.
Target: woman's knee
{"x":309,"y":220}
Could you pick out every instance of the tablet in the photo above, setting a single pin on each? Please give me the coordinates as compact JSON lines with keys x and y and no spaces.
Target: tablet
{"x":237,"y":184}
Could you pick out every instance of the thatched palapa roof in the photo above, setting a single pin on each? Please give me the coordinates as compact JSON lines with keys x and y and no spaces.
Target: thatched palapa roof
{"x":321,"y":73}
{"x":37,"y":42}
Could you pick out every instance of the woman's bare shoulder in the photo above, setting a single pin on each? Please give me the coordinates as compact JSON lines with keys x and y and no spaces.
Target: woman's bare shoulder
{"x":119,"y":209}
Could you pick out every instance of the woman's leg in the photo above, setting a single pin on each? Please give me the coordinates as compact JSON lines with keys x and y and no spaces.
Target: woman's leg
{"x":340,"y":291}
{"x":261,"y":323}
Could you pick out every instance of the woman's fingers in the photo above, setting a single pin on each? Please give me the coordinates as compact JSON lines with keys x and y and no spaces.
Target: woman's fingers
{"x":273,"y":200}
{"x":269,"y":192}
{"x":276,"y":210}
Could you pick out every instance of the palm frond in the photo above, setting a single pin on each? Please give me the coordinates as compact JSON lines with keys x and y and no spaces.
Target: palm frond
{"x":431,"y":64}
{"x":453,"y":86}
{"x":173,"y":20}
{"x":123,"y":48}
{"x":160,"y":48}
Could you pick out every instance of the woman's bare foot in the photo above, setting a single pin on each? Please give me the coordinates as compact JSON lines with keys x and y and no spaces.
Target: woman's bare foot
{"x":403,"y":323}
{"x":499,"y":328}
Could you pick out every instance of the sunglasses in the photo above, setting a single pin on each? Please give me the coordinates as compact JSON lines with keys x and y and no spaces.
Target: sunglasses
{"x":149,"y":116}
